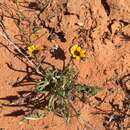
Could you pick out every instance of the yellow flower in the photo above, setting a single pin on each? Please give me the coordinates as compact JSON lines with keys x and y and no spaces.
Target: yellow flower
{"x":77,"y":52}
{"x":33,"y":49}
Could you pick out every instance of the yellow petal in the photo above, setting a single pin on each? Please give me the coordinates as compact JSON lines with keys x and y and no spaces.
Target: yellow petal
{"x":71,"y":51}
{"x":29,"y":49}
{"x":78,"y":48}
{"x":78,"y":58}
{"x":32,"y":48}
{"x":74,"y":56}
{"x":82,"y":53}
{"x":30,"y":53}
{"x":73,"y":48}
{"x":76,"y":45}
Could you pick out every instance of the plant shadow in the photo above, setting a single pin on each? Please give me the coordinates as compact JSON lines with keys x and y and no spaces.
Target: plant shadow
{"x":26,"y":99}
{"x":27,"y":79}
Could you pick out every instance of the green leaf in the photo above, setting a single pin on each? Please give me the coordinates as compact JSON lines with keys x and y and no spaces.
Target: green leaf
{"x":41,"y":86}
{"x":89,"y":90}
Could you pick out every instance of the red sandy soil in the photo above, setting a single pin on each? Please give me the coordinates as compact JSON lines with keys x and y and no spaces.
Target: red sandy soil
{"x":107,"y":41}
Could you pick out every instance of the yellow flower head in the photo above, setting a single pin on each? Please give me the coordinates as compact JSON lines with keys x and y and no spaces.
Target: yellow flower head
{"x":33,"y":49}
{"x":77,"y":52}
